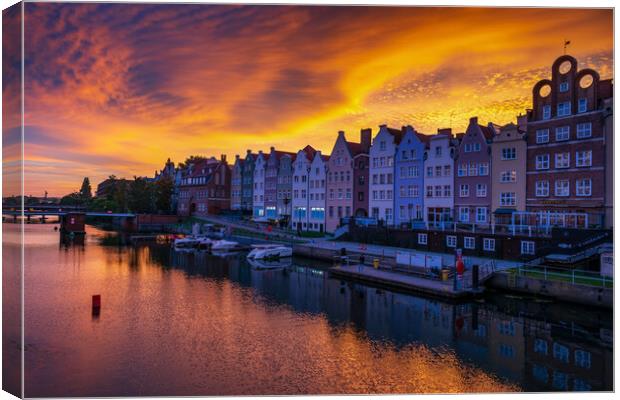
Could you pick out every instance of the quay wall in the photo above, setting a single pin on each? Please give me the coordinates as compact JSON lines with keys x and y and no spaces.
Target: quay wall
{"x":564,"y":291}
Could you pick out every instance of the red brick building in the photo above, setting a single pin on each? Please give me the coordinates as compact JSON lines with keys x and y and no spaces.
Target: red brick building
{"x":205,"y":187}
{"x":566,"y":139}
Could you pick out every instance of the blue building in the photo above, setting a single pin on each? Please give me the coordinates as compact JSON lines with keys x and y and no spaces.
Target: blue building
{"x":409,"y":177}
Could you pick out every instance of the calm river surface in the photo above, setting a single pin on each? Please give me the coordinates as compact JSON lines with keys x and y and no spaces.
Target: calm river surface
{"x":192,"y":324}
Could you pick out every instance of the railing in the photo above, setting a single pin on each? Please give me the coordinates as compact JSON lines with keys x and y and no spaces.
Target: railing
{"x":574,"y":277}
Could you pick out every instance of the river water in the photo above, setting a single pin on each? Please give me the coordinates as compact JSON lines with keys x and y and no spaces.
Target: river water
{"x":175,"y":323}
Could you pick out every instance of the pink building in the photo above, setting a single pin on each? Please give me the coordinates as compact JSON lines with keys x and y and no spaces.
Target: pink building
{"x":340,"y":179}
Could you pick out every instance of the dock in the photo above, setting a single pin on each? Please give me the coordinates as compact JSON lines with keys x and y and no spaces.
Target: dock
{"x":407,"y":282}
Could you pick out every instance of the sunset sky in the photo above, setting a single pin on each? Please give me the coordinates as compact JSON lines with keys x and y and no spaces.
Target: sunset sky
{"x":117,"y":89}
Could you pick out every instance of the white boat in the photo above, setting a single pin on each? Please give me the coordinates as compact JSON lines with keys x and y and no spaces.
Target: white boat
{"x":186,"y":242}
{"x":264,"y":264}
{"x":205,"y":243}
{"x":269,"y":251}
{"x":224,"y":245}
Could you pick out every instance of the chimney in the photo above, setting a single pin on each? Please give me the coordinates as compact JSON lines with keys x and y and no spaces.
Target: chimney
{"x":223,"y":157}
{"x":365,"y":139}
{"x":248,"y":152}
{"x":340,"y":133}
{"x":382,"y":126}
{"x":272,"y":149}
{"x":522,"y":122}
{"x":236,"y":157}
{"x":444,"y":131}
{"x":473,"y":120}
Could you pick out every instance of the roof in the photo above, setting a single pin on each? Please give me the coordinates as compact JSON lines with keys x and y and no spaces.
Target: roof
{"x":424,"y":138}
{"x":487,"y":132}
{"x":310,"y":152}
{"x":397,"y":133}
{"x":355,"y":148}
{"x":279,"y":154}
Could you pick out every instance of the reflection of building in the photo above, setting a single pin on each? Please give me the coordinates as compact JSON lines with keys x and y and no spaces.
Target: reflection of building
{"x":557,"y":361}
{"x":567,"y":135}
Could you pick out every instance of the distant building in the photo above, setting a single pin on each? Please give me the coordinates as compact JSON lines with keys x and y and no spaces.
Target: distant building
{"x":316,"y":179}
{"x":472,"y":183}
{"x":569,"y":127}
{"x":409,"y":177}
{"x":272,"y":167}
{"x":236,"y":184}
{"x":340,"y":172}
{"x":247,"y":182}
{"x":381,"y":185}
{"x":508,"y":173}
{"x":361,"y":176}
{"x":205,"y":187}
{"x":438,"y":186}
{"x":301,"y":188}
{"x":284,"y":189}
{"x":258,"y":203}
{"x":107,"y":187}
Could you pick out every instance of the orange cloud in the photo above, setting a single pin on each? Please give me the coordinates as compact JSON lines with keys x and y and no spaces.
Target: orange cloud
{"x":117,"y":89}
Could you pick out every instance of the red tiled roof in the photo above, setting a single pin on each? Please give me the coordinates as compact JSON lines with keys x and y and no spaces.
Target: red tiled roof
{"x":487,"y":132}
{"x":355,"y":148}
{"x":424,"y":138}
{"x":310,"y":152}
{"x":397,"y":133}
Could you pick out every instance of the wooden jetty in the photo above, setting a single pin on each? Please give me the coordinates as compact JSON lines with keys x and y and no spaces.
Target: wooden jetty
{"x":407,"y":282}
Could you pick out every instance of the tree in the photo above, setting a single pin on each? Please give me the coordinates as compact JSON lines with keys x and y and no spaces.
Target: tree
{"x":85,"y":190}
{"x":164,"y":188}
{"x":72,"y":199}
{"x":191,"y":160}
{"x":140,"y":196}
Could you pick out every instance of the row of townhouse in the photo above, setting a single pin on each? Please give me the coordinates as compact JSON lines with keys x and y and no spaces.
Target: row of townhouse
{"x":555,"y":163}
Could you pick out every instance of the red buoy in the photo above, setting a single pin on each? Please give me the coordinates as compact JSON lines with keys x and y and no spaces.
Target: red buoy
{"x":96,"y":303}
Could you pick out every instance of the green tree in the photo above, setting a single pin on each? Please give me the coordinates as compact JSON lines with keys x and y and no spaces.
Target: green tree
{"x":140,"y":196}
{"x":163,"y":195}
{"x":72,"y":199}
{"x":85,"y":190}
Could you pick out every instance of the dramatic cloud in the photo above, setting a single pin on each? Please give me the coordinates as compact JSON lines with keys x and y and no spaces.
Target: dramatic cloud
{"x":117,"y":89}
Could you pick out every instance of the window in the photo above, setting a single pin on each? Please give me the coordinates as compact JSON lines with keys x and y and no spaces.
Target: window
{"x":469,"y":242}
{"x":464,"y":214}
{"x":584,"y":130}
{"x":509,"y":153}
{"x":560,"y":352}
{"x":542,"y":188}
{"x":447,"y":192}
{"x":481,"y":190}
{"x":562,"y":160}
{"x":438,"y":168}
{"x":468,"y":148}
{"x":564,"y":87}
{"x":583,"y":158}
{"x":476,"y":146}
{"x":437,"y":191}
{"x":488,"y":244}
{"x":506,"y":351}
{"x":507,"y":199}
{"x":462,"y":171}
{"x":527,"y":247}
{"x":582,"y":359}
{"x":429,"y":171}
{"x":542,"y":161}
{"x":564,"y":109}
{"x":540,"y":346}
{"x":451,"y":241}
{"x":481,"y":215}
{"x":562,"y":188}
{"x":473,"y":170}
{"x":583,"y":105}
{"x":447,"y":170}
{"x":422,"y":238}
{"x":560,"y":380}
{"x":382,"y":145}
{"x":464,"y":191}
{"x":508,"y":176}
{"x":437,"y":151}
{"x":542,"y":136}
{"x":483,"y":169}
{"x":583,"y":187}
{"x":429,"y":191}
{"x":546,"y":112}
{"x":562,"y":133}
{"x":579,"y":385}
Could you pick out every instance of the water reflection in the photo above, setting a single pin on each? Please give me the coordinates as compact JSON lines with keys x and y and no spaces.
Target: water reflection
{"x":190,"y":323}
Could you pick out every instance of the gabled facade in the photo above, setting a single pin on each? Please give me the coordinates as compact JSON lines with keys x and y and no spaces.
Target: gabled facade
{"x":438,"y":185}
{"x":285,"y":188}
{"x":272,"y":167}
{"x":259,"y":186}
{"x":508,"y":174}
{"x":340,"y":172}
{"x":361,"y":175}
{"x":316,"y":201}
{"x":247,"y":182}
{"x":472,"y":182}
{"x":567,"y":162}
{"x":301,"y":188}
{"x":409,"y":177}
{"x":205,"y":187}
{"x":381,"y":186}
{"x":235,"y":184}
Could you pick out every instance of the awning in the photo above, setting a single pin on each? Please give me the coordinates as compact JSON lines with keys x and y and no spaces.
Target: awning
{"x":504,"y":211}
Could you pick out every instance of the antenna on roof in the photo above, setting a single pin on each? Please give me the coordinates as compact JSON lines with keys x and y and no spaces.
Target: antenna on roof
{"x":566,"y":43}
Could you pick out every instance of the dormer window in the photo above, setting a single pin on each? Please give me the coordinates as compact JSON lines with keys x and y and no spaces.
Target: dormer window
{"x":564,"y":87}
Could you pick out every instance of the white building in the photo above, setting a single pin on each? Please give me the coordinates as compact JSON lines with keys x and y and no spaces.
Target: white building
{"x":381,"y":185}
{"x":259,"y":186}
{"x":301,"y":187}
{"x":317,"y":176}
{"x":439,"y":179}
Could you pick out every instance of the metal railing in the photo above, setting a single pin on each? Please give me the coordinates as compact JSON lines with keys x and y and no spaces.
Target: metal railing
{"x":574,"y":276}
